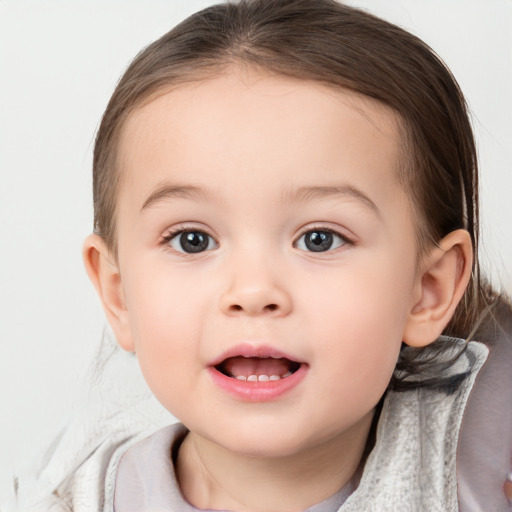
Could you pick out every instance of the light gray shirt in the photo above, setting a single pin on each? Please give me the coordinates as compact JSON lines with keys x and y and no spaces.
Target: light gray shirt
{"x":146,"y":478}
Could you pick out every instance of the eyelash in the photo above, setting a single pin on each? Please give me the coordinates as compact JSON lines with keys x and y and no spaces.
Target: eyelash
{"x":319,"y":229}
{"x":176,"y":233}
{"x":342,"y":240}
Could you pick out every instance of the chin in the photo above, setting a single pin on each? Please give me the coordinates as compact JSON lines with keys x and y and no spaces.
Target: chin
{"x":265,"y":447}
{"x":263,"y":439}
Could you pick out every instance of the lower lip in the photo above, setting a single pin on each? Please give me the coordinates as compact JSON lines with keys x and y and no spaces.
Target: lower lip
{"x":257,"y":391}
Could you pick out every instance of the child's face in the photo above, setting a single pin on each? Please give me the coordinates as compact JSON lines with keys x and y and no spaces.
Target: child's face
{"x":298,"y":241}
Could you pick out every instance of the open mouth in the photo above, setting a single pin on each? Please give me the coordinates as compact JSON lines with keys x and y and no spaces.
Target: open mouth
{"x":257,"y":369}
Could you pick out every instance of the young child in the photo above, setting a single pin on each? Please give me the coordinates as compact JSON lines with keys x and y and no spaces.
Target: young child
{"x":286,"y":236}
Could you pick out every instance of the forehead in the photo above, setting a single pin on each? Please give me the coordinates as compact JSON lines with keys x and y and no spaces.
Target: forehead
{"x":245,"y":126}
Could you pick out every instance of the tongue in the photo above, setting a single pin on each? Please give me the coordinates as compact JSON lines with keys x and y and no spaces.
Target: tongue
{"x":246,"y":366}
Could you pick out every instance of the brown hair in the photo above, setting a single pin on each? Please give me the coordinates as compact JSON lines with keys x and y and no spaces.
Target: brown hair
{"x":342,"y":47}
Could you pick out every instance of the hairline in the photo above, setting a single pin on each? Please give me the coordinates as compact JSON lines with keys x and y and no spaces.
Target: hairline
{"x":167,"y":84}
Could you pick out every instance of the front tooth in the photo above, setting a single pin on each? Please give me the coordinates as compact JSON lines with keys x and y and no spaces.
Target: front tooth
{"x":263,"y":378}
{"x":241,"y":377}
{"x":275,"y":377}
{"x":252,"y":378}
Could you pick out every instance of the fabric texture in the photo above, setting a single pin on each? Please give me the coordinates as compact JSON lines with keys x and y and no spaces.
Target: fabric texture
{"x":79,"y":471}
{"x":146,"y":478}
{"x":485,"y":447}
{"x":411,"y":468}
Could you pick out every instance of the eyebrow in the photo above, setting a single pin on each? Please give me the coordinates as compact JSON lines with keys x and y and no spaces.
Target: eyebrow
{"x":169,"y":191}
{"x":320,"y":192}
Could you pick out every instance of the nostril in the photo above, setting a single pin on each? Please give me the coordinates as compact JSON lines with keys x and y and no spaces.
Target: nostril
{"x":268,"y":307}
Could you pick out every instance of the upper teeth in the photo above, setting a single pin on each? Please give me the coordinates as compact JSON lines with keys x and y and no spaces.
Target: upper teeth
{"x":262,"y":378}
{"x":264,"y":357}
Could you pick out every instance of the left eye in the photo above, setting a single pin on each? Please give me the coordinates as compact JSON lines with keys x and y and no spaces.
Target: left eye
{"x":320,"y":240}
{"x":191,"y":242}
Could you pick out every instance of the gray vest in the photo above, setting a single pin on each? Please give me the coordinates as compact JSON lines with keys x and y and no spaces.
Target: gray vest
{"x":412,"y":467}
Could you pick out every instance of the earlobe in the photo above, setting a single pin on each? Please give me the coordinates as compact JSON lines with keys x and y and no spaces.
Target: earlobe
{"x":441,"y":282}
{"x":103,"y":271}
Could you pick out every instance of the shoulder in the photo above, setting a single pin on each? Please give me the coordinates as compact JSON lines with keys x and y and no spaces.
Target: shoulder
{"x":77,"y":472}
{"x":146,"y":477}
{"x":484,"y":453}
{"x":412,"y":466}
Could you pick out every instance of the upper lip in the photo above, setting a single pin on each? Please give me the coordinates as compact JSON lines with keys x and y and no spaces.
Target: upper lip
{"x":249,"y":350}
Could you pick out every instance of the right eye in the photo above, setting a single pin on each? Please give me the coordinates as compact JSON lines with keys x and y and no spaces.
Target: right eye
{"x":321,"y":240}
{"x":191,"y":241}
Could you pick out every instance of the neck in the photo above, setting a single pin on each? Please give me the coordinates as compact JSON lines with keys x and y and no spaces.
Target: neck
{"x":211,"y":477}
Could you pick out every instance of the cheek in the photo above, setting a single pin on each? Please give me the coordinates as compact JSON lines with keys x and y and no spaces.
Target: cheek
{"x":360,"y":319}
{"x":158,"y":302}
{"x":360,"y":299}
{"x":165,"y":328}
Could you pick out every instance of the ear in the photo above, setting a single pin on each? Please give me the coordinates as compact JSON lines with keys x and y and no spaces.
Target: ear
{"x":441,"y":284}
{"x":103,"y":271}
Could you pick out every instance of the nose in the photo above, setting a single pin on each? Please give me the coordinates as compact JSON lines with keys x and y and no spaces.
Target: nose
{"x":254,"y":290}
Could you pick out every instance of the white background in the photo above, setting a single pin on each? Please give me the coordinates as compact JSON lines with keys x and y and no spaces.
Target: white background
{"x":59,"y":62}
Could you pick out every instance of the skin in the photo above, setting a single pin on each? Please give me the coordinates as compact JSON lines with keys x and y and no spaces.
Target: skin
{"x":507,"y":487}
{"x":270,"y":159}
